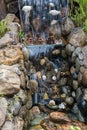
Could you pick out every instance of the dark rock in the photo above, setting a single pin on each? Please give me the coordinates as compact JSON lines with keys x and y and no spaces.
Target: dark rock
{"x":84,"y":78}
{"x":67,"y":26}
{"x":12,"y":6}
{"x":2,"y":9}
{"x":59,"y":117}
{"x":82,"y":104}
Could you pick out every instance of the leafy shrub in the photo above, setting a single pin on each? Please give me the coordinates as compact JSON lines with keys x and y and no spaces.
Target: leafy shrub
{"x":85,"y":26}
{"x":79,"y":14}
{"x":3,"y":27}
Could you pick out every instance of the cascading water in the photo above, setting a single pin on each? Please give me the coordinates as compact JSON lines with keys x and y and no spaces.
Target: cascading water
{"x":39,"y":17}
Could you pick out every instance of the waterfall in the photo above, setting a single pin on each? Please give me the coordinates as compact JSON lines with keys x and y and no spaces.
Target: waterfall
{"x":43,"y":15}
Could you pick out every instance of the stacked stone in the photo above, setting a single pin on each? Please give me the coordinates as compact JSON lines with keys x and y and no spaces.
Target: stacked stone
{"x":15,"y":99}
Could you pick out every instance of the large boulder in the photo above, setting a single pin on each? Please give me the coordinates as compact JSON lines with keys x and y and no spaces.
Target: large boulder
{"x":8,"y":126}
{"x":48,"y":124}
{"x":9,"y":82}
{"x":59,"y":117}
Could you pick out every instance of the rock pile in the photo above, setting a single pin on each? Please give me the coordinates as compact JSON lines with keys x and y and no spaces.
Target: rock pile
{"x":61,"y":76}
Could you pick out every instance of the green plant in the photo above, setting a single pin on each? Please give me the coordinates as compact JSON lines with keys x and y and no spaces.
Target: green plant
{"x":3,"y":27}
{"x":78,"y":13}
{"x":85,"y":26}
{"x":21,"y":37}
{"x":21,"y":34}
{"x":74,"y":128}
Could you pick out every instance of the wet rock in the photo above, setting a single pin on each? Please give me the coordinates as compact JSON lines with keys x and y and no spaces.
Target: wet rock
{"x":9,"y":82}
{"x":84,"y":51}
{"x":33,"y":86}
{"x":22,"y":95}
{"x":79,"y":77}
{"x":69,"y":49}
{"x":63,"y":96}
{"x":48,"y":125}
{"x":52,"y":103}
{"x":25,"y":53}
{"x":36,"y":110}
{"x":56,"y":52}
{"x":67,"y":26}
{"x":73,"y":57}
{"x":23,"y":80}
{"x":65,"y":90}
{"x":62,"y":106}
{"x":69,"y":100}
{"x":59,"y":117}
{"x":73,"y":94}
{"x":29,"y":102}
{"x":23,"y":112}
{"x":62,"y":81}
{"x":75,"y":84}
{"x":18,"y":123}
{"x":5,"y":40}
{"x":55,"y":30}
{"x":77,"y":112}
{"x":64,"y":55}
{"x":78,"y":64}
{"x":3,"y":110}
{"x":8,"y":126}
{"x":72,"y":70}
{"x":37,"y":120}
{"x":78,"y":93}
{"x":14,"y":107}
{"x":80,"y":56}
{"x":77,"y":37}
{"x":84,"y":78}
{"x":78,"y":50}
{"x":82,"y":104}
{"x":82,"y":69}
{"x":42,"y":62}
{"x":10,"y":56}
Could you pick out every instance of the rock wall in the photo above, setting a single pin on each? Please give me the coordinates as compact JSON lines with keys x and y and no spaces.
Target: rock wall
{"x":16,"y":88}
{"x":15,"y":99}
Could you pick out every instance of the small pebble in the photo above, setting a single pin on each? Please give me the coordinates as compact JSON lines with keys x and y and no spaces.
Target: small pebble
{"x":54,"y":78}
{"x":44,"y":77}
{"x":73,"y":94}
{"x":52,"y":103}
{"x":62,"y":106}
{"x":56,"y":70}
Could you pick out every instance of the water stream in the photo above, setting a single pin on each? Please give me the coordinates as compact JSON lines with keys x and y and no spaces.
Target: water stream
{"x":48,"y":67}
{"x":40,"y":16}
